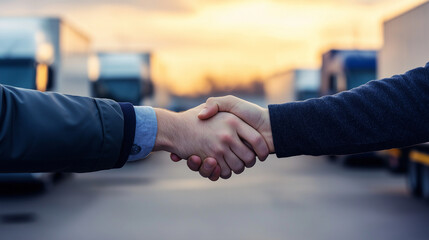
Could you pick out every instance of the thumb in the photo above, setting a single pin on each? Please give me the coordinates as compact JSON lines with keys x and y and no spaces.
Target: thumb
{"x":217,"y":104}
{"x":208,"y":111}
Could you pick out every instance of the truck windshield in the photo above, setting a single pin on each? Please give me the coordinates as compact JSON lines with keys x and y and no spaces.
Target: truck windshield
{"x":356,"y":78}
{"x":121,"y":90}
{"x":18,"y":73}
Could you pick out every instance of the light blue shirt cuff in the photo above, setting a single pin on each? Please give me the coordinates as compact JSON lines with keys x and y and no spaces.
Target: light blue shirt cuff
{"x":145,"y":135}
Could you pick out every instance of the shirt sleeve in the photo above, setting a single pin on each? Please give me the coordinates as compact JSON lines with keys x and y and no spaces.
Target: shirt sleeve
{"x":381,"y":114}
{"x":145,"y":133}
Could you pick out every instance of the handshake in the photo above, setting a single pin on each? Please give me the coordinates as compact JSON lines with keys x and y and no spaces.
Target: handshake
{"x":221,"y":136}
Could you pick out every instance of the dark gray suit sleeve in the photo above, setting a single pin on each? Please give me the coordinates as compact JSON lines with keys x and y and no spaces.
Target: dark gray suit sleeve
{"x":43,"y":132}
{"x":382,"y":114}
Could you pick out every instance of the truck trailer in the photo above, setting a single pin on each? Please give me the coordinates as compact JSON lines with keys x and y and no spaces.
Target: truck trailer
{"x":405,"y":48}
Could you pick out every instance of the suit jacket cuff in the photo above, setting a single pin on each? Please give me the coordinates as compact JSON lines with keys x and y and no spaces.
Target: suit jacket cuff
{"x":129,"y":132}
{"x":285,"y":118}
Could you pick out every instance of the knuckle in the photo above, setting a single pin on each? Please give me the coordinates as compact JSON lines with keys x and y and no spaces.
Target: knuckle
{"x":210,"y":100}
{"x":226,"y":137}
{"x":256,"y":140}
{"x":218,"y":151}
{"x":250,"y":156}
{"x":229,"y":97}
{"x":231,"y":121}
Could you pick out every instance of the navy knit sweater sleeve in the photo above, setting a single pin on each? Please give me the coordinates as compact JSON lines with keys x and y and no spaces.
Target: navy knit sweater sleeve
{"x":382,"y":114}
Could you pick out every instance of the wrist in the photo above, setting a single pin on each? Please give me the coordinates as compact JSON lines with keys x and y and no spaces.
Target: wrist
{"x":267,"y":133}
{"x":167,"y":122}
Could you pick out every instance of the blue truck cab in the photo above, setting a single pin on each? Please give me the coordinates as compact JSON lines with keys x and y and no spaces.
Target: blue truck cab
{"x":343,"y":70}
{"x":346,"y":69}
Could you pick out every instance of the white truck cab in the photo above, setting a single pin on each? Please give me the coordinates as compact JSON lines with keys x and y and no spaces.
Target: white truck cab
{"x":123,"y":77}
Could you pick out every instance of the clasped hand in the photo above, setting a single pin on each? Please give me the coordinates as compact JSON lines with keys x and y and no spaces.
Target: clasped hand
{"x":222,"y":136}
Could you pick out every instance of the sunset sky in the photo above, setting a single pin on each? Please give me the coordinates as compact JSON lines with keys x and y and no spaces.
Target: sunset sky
{"x":232,"y":41}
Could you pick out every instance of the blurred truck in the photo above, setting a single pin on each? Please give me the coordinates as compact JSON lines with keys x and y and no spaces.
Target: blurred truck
{"x":346,"y":69}
{"x":123,"y":77}
{"x":343,"y":70}
{"x":292,"y":85}
{"x":406,"y":47}
{"x":45,"y":54}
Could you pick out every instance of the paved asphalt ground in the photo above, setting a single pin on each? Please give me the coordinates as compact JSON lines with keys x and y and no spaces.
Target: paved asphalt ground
{"x":296,"y":198}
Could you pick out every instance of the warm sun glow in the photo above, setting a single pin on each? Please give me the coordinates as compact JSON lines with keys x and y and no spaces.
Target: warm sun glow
{"x":45,"y":53}
{"x":230,"y":42}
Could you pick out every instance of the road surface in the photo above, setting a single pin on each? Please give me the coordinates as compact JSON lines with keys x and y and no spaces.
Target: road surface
{"x":294,"y":198}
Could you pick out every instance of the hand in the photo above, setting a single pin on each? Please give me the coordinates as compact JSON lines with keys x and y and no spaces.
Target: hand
{"x":220,"y":137}
{"x":252,"y":114}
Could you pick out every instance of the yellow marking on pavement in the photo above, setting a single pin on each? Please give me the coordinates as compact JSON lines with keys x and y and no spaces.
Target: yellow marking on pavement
{"x":419,"y":157}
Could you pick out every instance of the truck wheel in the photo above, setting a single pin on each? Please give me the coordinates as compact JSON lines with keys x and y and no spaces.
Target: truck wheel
{"x":425,"y":181}
{"x":414,"y":178}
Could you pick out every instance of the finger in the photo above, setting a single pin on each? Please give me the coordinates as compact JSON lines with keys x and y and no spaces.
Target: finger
{"x":255,"y":139}
{"x":225,"y":172}
{"x":234,"y":163}
{"x":208,"y":112}
{"x":194,"y":163}
{"x":215,"y":174}
{"x":218,"y":104}
{"x":208,"y":166}
{"x":243,"y":152}
{"x":195,"y":160}
{"x":174,"y":157}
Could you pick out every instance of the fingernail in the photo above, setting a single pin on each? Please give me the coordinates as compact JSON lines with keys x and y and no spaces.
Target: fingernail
{"x":204,"y":111}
